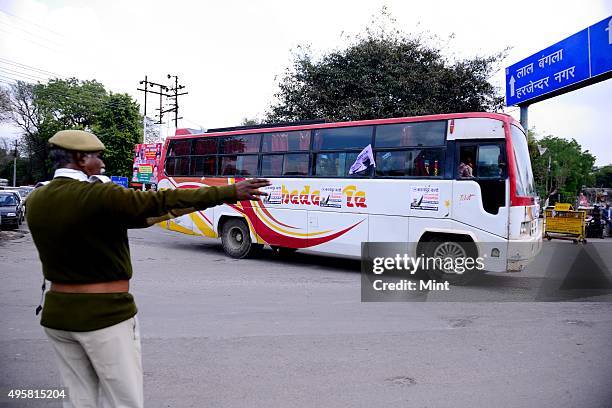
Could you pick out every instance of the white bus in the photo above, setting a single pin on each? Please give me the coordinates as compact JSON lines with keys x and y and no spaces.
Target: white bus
{"x":460,"y":180}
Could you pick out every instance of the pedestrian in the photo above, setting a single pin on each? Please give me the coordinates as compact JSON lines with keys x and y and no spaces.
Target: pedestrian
{"x":80,"y":231}
{"x":607,"y":216}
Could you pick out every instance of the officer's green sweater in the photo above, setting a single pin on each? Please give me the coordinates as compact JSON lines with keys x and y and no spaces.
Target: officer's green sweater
{"x":80,"y":231}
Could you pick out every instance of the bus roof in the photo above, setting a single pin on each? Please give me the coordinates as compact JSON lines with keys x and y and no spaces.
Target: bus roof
{"x":320,"y":124}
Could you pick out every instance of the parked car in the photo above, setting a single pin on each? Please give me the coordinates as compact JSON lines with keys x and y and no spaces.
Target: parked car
{"x":25,"y":190}
{"x":11,"y":209}
{"x":19,"y":197}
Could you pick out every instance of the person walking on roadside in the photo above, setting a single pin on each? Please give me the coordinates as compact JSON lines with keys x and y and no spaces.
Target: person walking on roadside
{"x":80,"y":231}
{"x":607,"y":216}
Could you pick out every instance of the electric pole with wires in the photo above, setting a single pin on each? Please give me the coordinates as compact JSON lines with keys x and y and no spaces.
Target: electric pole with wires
{"x":161,"y":94}
{"x":176,"y":90}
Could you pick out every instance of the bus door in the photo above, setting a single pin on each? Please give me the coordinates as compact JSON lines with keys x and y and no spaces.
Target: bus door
{"x":480,"y":188}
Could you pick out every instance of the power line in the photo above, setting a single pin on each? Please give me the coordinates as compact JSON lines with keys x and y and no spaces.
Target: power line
{"x":30,"y":40}
{"x":8,"y":78}
{"x":195,"y":123}
{"x":176,"y":89}
{"x":84,"y":95}
{"x":21,"y":74}
{"x":15,"y":26}
{"x":15,"y":63}
{"x":20,"y":71}
{"x":146,"y":90}
{"x":30,"y":22}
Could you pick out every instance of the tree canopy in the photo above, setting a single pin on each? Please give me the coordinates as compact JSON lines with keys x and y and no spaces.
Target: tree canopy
{"x":40,"y":110}
{"x":603,"y":176}
{"x":384,"y":73}
{"x":570,"y":166}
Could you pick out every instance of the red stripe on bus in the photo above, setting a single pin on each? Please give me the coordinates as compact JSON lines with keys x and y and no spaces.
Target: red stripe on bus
{"x":274,"y":238}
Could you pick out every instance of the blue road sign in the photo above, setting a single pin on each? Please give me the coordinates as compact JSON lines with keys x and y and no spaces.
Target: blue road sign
{"x":578,"y":58}
{"x":601,"y":47}
{"x":122,"y":181}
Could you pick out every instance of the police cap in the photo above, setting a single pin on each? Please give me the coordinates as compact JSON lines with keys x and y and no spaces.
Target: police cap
{"x":77,"y":140}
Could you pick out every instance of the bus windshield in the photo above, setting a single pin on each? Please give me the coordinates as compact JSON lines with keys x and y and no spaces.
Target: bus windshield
{"x":524,"y":175}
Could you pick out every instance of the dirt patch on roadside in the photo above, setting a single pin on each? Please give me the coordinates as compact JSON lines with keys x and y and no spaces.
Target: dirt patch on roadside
{"x":9,"y":235}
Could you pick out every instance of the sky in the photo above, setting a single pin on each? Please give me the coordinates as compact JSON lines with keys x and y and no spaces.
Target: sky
{"x":230,"y":54}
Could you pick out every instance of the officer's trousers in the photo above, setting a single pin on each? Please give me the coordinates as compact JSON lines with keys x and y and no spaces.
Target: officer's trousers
{"x":101,"y":368}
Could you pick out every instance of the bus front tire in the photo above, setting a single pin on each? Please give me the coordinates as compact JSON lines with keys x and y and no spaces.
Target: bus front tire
{"x":236,"y":239}
{"x":440,"y":247}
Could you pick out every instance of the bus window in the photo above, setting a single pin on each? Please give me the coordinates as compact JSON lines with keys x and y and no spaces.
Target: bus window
{"x":489,"y":159}
{"x":170,"y":164}
{"x":336,"y":164}
{"x":391,"y":163}
{"x":326,"y":165}
{"x":426,"y":162}
{"x":202,"y":166}
{"x":484,"y":164}
{"x":296,"y":164}
{"x":465,"y":169}
{"x":524,"y":175}
{"x":271,"y":165}
{"x":355,"y":137}
{"x":481,"y":161}
{"x":240,"y":144}
{"x":412,"y":162}
{"x":205,"y":145}
{"x":286,"y":141}
{"x":179,"y":148}
{"x":411,"y":134}
{"x":242,"y":165}
{"x":181,"y":166}
{"x":177,"y":166}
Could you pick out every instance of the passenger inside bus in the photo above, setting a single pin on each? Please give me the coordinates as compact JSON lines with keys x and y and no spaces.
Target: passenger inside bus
{"x":421,"y":166}
{"x":466,"y":165}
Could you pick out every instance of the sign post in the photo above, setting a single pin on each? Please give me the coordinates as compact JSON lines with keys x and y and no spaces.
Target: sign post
{"x":577,"y":61}
{"x":122,"y":181}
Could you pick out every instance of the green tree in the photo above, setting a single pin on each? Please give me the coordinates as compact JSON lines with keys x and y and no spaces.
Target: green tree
{"x":384,"y":73}
{"x":71,"y":103}
{"x":570,"y":167}
{"x":41,"y":110}
{"x":603,"y":176}
{"x":250,"y":121}
{"x":119,"y":127}
{"x":21,"y":109}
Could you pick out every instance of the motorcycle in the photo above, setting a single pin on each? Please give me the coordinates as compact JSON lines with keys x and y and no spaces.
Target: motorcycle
{"x":595,"y":225}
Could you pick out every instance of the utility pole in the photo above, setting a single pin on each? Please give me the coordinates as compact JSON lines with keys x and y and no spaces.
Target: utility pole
{"x":161,"y":94}
{"x":524,"y":117}
{"x":15,"y":166}
{"x":176,"y":90}
{"x":144,"y":116}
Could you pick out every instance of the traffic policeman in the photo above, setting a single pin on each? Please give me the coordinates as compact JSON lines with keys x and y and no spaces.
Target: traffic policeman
{"x":80,"y":231}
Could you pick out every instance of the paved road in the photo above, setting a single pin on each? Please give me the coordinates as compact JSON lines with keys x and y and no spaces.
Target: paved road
{"x":270,"y":333}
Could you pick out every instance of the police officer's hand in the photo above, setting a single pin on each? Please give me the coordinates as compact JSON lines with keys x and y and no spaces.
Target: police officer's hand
{"x":249,"y":189}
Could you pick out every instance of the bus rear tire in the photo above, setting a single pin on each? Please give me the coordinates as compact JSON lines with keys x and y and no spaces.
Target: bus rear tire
{"x":439,"y":247}
{"x":236,"y":239}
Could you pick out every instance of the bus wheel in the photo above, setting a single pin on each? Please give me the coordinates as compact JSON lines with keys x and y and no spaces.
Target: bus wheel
{"x":236,"y":239}
{"x":444,"y":249}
